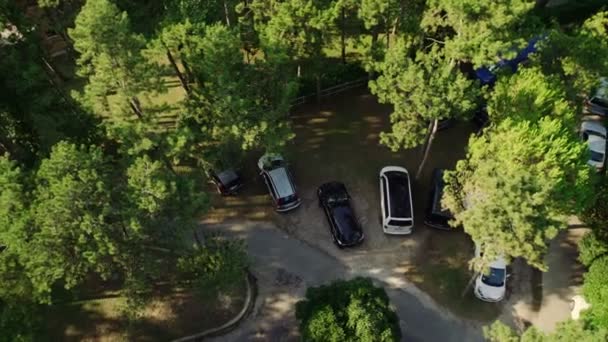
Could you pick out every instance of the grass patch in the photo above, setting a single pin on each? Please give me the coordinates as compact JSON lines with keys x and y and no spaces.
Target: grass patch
{"x":171,"y":314}
{"x":442,"y":272}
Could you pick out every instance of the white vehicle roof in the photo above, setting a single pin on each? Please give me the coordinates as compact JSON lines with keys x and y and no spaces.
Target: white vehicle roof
{"x":597,"y":144}
{"x":602,"y":90}
{"x":281,"y":182}
{"x":266,"y":160}
{"x":594,"y":126}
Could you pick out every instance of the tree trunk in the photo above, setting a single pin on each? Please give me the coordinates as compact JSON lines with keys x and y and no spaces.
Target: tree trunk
{"x":189,"y":75}
{"x":136,"y":107}
{"x":343,"y":36}
{"x":182,"y":78}
{"x":469,"y":284}
{"x":427,"y":150}
{"x":226,"y":13}
{"x":318,"y":81}
{"x":541,"y":4}
{"x":375,"y":33}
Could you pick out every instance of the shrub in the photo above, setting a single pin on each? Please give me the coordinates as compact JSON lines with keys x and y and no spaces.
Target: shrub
{"x":353,"y":310}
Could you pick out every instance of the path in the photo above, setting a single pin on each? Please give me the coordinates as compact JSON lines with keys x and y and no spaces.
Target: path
{"x":285,"y":267}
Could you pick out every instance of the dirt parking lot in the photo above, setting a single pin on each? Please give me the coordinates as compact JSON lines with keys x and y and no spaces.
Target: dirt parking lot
{"x":339,"y":140}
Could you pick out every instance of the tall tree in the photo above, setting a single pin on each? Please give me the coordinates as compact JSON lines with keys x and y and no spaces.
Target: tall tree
{"x":110,"y":58}
{"x":301,"y":26}
{"x":530,"y":95}
{"x":480,"y":31}
{"x":238,"y":106}
{"x":71,"y":213}
{"x":517,"y":186}
{"x":573,"y":55}
{"x":32,"y":124}
{"x":423,"y":92}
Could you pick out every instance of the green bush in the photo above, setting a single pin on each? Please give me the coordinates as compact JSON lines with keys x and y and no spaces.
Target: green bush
{"x":596,"y":292}
{"x":218,"y":264}
{"x":590,"y":248}
{"x":353,"y":310}
{"x":334,"y":72}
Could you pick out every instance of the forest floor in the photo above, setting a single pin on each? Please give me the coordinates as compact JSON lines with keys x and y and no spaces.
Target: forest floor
{"x":171,"y":314}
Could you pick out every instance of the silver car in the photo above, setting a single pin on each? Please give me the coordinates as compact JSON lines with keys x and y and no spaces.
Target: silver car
{"x":277,"y":177}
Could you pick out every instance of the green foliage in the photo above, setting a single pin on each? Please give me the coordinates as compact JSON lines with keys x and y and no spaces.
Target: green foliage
{"x":480,"y":31}
{"x":19,"y":321}
{"x":596,"y":214}
{"x":596,"y":292}
{"x":353,"y":310}
{"x":217,"y":264}
{"x":516,"y":187}
{"x":591,"y":247}
{"x":70,"y":211}
{"x":573,"y":55}
{"x":529,"y":95}
{"x":30,"y":125}
{"x":237,"y":104}
{"x":569,"y":330}
{"x":422,"y":90}
{"x":110,"y":58}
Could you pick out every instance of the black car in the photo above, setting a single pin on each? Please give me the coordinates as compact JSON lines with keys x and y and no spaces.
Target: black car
{"x":227,"y":182}
{"x":343,"y":224}
{"x":437,"y":217}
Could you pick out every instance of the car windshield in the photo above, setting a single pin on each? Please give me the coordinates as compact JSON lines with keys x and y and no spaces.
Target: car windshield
{"x":596,"y":156}
{"x":600,"y":102}
{"x":400,"y":223}
{"x":495,"y":278}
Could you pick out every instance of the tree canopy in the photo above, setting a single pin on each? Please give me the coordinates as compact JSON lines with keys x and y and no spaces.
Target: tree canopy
{"x":353,"y":310}
{"x":516,"y":187}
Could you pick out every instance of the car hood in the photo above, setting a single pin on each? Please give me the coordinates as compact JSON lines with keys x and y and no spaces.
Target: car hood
{"x":346,"y":223}
{"x":494,"y":293}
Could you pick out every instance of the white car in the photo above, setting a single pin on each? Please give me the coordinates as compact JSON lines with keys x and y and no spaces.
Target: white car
{"x":396,"y":201}
{"x":598,"y":103}
{"x":578,"y":304}
{"x":594,"y":133}
{"x":491,"y":287}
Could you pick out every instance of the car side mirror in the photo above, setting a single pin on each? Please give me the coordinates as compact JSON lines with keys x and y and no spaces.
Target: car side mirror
{"x":508,"y":275}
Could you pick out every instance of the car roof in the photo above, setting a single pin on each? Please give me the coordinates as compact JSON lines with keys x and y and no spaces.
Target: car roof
{"x":399,"y":194}
{"x":602,"y":90}
{"x":593,"y":126}
{"x":281,"y":181}
{"x":227,"y":176}
{"x":266,"y":161}
{"x":597,"y":144}
{"x":438,"y":186}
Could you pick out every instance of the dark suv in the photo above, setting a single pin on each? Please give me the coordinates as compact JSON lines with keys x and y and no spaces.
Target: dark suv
{"x":437,"y":217}
{"x":279,"y":182}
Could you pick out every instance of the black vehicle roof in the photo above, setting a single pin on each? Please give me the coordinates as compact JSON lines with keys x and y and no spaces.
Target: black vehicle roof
{"x":399,"y":192}
{"x":334,"y":190}
{"x":227,"y":176}
{"x":438,"y":185}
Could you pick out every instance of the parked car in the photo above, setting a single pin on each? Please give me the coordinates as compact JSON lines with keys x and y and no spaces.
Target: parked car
{"x":436,"y":216}
{"x":491,"y":287}
{"x":594,"y":133}
{"x":343,"y":224}
{"x":578,"y":304}
{"x":598,"y":103}
{"x":279,"y":181}
{"x":396,"y":201}
{"x":227,"y":182}
{"x":487,"y":75}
